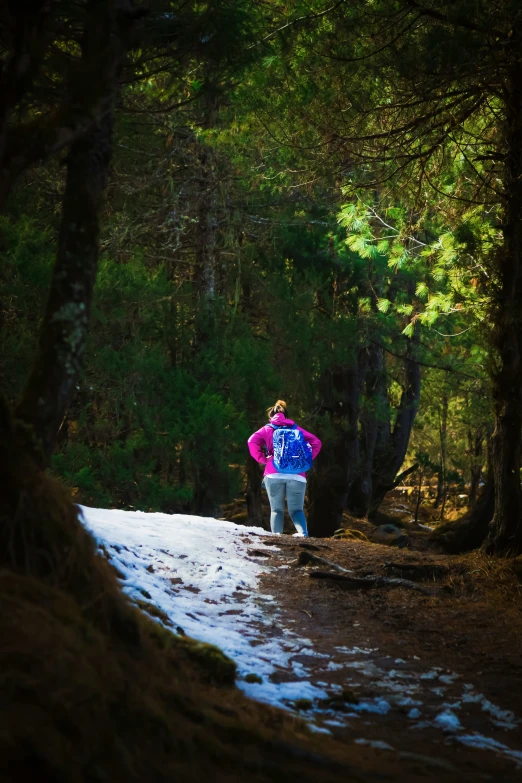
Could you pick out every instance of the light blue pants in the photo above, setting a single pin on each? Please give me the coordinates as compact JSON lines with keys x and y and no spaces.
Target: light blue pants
{"x":295,"y":495}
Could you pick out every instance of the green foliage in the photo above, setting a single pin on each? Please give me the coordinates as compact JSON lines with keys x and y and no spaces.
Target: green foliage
{"x":314,"y":260}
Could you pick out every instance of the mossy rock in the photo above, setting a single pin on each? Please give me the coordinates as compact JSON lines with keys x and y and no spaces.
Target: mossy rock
{"x":339,"y":701}
{"x":218,"y":668}
{"x":253,"y":678}
{"x":349,"y":697}
{"x":303,"y":704}
{"x":154,"y":611}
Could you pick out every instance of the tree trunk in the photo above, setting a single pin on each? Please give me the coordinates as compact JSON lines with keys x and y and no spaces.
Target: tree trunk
{"x":419,"y":497}
{"x":440,"y":487}
{"x":206,"y":229}
{"x":443,"y":443}
{"x":330,"y":481}
{"x":468,"y":532}
{"x":476,"y":451}
{"x":374,"y":429}
{"x":389,"y":460}
{"x":505,"y":535}
{"x":63,"y":333}
{"x":253,"y":493}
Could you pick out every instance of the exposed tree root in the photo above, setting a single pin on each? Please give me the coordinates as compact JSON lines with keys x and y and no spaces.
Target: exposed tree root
{"x":369,"y":582}
{"x":356,"y":582}
{"x":306,"y":557}
{"x":470,"y":531}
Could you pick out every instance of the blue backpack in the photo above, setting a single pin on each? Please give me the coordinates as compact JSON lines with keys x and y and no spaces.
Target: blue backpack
{"x":292,"y":454}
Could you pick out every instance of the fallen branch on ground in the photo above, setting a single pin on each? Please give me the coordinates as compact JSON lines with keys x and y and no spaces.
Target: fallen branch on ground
{"x":306,"y":557}
{"x":368,"y":582}
{"x":418,"y":570}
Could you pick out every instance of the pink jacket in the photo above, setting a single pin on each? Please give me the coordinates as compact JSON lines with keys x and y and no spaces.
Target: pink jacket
{"x":265,"y":437}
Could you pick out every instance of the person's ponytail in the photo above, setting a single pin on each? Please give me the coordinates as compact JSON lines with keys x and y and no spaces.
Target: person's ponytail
{"x":279,"y":407}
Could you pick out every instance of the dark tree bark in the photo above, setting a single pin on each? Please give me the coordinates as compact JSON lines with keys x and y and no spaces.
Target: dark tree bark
{"x":389,"y":459}
{"x":363,"y":460}
{"x":476,"y":452}
{"x":505,"y":536}
{"x":470,"y":531}
{"x":107,"y":36}
{"x":443,"y":443}
{"x":253,"y":493}
{"x":374,"y":428}
{"x":330,"y":480}
{"x":64,"y":330}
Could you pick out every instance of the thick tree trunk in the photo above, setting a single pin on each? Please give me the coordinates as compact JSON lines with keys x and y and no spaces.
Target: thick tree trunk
{"x":64,"y":330}
{"x":505,"y":535}
{"x":330,"y":481}
{"x":389,"y":460}
{"x":374,"y":430}
{"x":470,"y":531}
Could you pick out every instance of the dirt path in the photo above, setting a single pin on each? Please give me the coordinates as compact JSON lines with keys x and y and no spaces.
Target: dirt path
{"x":436,"y":679}
{"x":413,"y":685}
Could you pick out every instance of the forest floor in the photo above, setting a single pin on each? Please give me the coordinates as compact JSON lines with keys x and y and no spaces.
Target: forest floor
{"x":429,"y":680}
{"x":437,"y":675}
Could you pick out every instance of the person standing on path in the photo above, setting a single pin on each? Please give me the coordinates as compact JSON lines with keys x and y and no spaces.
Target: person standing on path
{"x":275,"y":446}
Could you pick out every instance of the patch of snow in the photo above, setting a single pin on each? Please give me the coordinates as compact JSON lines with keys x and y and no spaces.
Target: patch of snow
{"x":429,"y":675}
{"x":378,"y":744}
{"x":393,"y":674}
{"x":308,"y":651}
{"x":356,"y":650}
{"x":447,"y":721}
{"x":192,"y":568}
{"x":414,"y":714}
{"x":318,"y":729}
{"x":379,"y":706}
{"x":366,"y":668}
{"x":475,"y":740}
{"x":448,"y":679}
{"x":395,"y":687}
{"x":283,"y":693}
{"x":503,"y":719}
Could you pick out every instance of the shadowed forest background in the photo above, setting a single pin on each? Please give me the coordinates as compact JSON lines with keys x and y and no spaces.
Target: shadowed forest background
{"x":206,"y":206}
{"x":293,"y":212}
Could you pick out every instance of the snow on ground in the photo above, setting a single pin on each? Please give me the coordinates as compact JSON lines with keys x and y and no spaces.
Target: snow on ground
{"x":197,"y":570}
{"x":200,"y":573}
